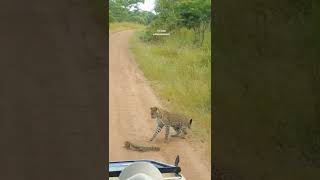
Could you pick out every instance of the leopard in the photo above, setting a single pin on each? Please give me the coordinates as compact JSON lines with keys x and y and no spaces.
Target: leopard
{"x":179,"y":122}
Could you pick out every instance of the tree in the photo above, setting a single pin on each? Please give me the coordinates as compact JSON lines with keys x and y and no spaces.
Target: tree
{"x":192,"y":14}
{"x":166,"y":16}
{"x":120,"y":10}
{"x":195,"y":15}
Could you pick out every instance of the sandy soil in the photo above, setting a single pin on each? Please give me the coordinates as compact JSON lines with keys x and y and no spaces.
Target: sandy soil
{"x":130,"y":99}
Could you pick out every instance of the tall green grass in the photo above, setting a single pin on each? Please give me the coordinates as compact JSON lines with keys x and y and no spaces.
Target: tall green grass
{"x":180,"y":74}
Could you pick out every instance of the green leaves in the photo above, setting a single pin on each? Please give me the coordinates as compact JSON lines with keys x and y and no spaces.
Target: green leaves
{"x":127,"y":10}
{"x":192,"y":14}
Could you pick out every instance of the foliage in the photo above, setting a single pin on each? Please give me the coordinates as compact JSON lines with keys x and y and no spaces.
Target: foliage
{"x":192,"y":14}
{"x":195,"y":15}
{"x":170,"y":15}
{"x":166,"y":17}
{"x":128,"y":11}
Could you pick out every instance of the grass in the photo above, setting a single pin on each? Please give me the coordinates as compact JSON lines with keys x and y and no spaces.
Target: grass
{"x":180,"y":74}
{"x":123,"y":26}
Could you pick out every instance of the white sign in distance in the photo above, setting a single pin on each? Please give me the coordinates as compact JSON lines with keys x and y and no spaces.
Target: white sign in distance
{"x":161,"y":34}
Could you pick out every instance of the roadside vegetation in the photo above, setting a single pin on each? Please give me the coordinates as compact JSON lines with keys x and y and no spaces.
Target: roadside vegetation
{"x":125,"y":14}
{"x":128,"y":11}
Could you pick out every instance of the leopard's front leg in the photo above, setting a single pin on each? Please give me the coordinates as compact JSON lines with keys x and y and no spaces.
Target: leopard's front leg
{"x":167,"y":134}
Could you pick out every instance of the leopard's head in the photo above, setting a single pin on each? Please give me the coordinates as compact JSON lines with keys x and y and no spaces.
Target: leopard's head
{"x":154,"y":112}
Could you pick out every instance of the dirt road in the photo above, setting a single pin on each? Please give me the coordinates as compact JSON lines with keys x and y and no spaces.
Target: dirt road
{"x":130,"y":99}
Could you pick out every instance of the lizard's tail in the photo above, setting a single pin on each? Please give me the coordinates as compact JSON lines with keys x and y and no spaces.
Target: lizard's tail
{"x":130,"y":146}
{"x":152,"y":148}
